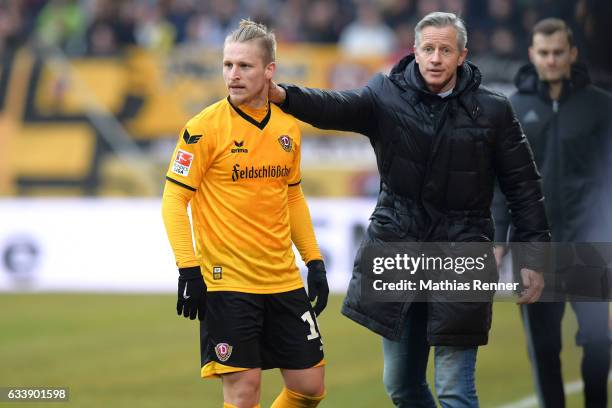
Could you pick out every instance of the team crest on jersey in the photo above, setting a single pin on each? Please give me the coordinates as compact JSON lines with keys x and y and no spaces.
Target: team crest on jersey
{"x":182,"y":163}
{"x":286,"y":142}
{"x":223,"y":351}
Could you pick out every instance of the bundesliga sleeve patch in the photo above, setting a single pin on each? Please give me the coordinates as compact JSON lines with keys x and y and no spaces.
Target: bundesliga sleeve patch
{"x":182,"y":163}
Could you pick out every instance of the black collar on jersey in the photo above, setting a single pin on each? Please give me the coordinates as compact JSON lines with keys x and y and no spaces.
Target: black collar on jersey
{"x":261,"y":124}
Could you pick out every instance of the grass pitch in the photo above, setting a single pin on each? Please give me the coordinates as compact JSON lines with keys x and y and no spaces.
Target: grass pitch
{"x":133,"y":351}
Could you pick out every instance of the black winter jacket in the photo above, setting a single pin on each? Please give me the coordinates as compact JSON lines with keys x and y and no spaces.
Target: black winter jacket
{"x":438,"y":158}
{"x":571,"y":144}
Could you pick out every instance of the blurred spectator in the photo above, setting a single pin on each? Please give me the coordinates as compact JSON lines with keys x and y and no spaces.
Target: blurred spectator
{"x":153,"y":30}
{"x":404,"y":34}
{"x":60,"y":23}
{"x":179,"y":12}
{"x":498,"y":30}
{"x":425,"y":7}
{"x":124,"y":29}
{"x":203,"y":31}
{"x":227,"y":15}
{"x":11,"y":33}
{"x":500,"y":11}
{"x":321,"y":24}
{"x":503,"y":43}
{"x":368,"y":35}
{"x":288,"y":27}
{"x":529,"y":18}
{"x":111,"y":28}
{"x":494,"y":44}
{"x":478,"y":43}
{"x":399,"y":12}
{"x":262,"y":11}
{"x":101,"y":40}
{"x":455,"y":6}
{"x":593,"y":22}
{"x":563,"y":9}
{"x":28,"y":11}
{"x":500,"y":14}
{"x":501,"y":62}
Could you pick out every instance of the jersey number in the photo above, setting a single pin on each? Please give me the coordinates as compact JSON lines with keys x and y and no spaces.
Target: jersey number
{"x":307,"y":317}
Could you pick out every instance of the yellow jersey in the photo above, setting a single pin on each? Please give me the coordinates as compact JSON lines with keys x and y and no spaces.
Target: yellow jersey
{"x":240,"y":163}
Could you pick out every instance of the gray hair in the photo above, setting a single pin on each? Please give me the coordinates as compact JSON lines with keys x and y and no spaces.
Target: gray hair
{"x":249,"y":30}
{"x":441,"y":19}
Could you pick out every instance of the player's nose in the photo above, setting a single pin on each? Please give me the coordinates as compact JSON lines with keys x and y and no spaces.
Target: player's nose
{"x":234,"y":73}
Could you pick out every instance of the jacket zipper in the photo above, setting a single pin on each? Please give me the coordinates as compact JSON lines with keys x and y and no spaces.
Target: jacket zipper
{"x":558,"y":160}
{"x":438,"y":127}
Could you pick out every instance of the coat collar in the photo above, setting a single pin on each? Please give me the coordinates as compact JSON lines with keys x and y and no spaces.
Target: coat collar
{"x":528,"y":82}
{"x":405,"y":74}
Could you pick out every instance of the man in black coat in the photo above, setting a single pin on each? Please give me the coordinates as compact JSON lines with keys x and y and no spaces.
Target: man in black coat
{"x":567,"y":121}
{"x":440,"y":139}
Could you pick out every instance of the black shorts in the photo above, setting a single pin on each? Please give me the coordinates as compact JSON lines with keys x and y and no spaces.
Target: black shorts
{"x":246,"y":330}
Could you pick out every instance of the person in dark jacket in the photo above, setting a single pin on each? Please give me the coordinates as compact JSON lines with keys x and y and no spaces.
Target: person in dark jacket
{"x":440,"y":140}
{"x":567,"y":121}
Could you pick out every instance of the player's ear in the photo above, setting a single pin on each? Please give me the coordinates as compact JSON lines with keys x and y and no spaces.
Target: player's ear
{"x":269,"y":70}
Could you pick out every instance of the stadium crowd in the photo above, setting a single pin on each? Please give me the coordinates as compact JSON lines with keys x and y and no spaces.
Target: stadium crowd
{"x":498,"y":29}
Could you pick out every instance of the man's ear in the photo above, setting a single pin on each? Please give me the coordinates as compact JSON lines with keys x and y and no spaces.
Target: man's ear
{"x":531,"y":53}
{"x":462,"y":57}
{"x":573,"y":54}
{"x":269,"y":70}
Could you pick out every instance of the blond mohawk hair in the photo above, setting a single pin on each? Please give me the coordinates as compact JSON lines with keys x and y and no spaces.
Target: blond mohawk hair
{"x":250,"y":30}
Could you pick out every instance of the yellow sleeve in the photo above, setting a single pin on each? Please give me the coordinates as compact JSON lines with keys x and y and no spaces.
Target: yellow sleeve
{"x":302,"y":233}
{"x":178,"y":226}
{"x":295,"y":142}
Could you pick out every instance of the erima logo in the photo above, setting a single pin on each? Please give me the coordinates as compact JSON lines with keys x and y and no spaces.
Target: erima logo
{"x":252,"y":172}
{"x":531,"y":117}
{"x":190,"y":139}
{"x":239,"y":147}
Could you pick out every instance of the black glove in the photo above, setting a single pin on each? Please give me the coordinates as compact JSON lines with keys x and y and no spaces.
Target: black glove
{"x":317,"y":285}
{"x":191,"y":300}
